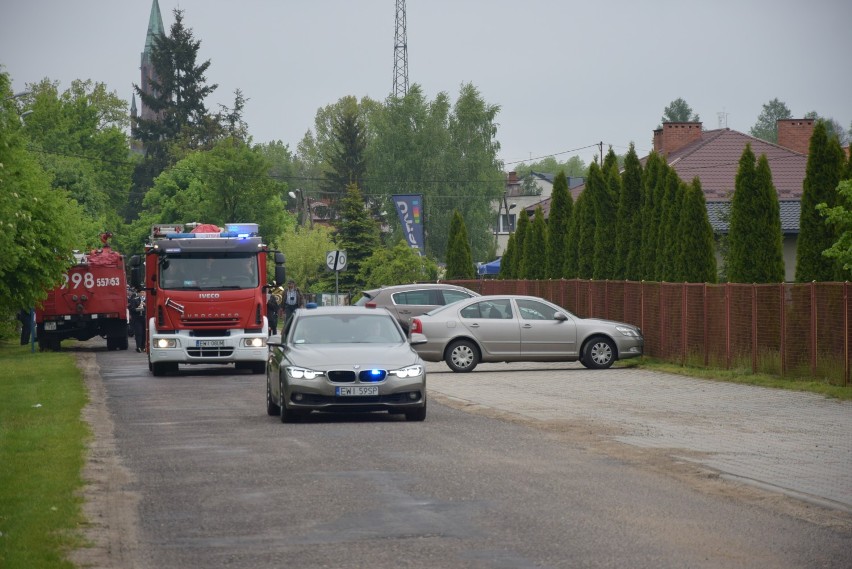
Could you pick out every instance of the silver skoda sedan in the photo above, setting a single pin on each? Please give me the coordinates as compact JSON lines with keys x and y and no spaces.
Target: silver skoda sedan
{"x":343,"y":358}
{"x":514,"y":328}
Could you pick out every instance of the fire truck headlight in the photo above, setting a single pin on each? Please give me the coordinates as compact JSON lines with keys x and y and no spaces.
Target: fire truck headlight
{"x":254,"y":342}
{"x":166,"y":343}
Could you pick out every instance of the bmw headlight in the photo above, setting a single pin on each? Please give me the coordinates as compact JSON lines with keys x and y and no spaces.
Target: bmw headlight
{"x":627,"y":331}
{"x":410,"y":371}
{"x":303,"y":373}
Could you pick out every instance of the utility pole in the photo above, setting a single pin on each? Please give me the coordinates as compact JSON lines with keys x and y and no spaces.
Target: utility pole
{"x":400,"y":53}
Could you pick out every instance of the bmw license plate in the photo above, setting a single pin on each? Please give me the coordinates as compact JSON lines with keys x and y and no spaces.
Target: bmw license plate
{"x":356,"y":390}
{"x":209,"y":343}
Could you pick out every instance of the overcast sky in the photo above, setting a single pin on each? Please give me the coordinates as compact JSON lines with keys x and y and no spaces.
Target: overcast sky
{"x":565,"y":74}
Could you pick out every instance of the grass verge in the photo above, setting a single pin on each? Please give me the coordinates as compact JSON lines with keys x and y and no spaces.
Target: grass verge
{"x":746,"y":377}
{"x":42,"y":452}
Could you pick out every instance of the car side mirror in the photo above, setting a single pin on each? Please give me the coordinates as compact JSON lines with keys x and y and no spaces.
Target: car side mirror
{"x":275,"y":340}
{"x":417,"y":338}
{"x":560,"y":316}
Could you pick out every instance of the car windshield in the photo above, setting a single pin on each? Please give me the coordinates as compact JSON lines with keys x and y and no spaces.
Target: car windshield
{"x":346,"y":329}
{"x":206,"y":272}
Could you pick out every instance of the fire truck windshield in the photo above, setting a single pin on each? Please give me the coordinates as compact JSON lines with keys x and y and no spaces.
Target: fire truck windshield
{"x":204,"y":272}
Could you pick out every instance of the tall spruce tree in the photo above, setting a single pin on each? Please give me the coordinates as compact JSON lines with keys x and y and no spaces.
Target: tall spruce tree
{"x":179,"y":90}
{"x":696,"y":261}
{"x":822,"y":174}
{"x":572,"y":239}
{"x":507,"y":261}
{"x":669,"y":189}
{"x":521,"y":232}
{"x":599,"y":249}
{"x":357,"y":233}
{"x":628,"y":231}
{"x":585,"y":231}
{"x":346,"y":161}
{"x":558,"y":222}
{"x":535,"y":248}
{"x":754,"y":239}
{"x":674,"y":270}
{"x":182,"y":122}
{"x":459,"y":258}
{"x":650,"y":221}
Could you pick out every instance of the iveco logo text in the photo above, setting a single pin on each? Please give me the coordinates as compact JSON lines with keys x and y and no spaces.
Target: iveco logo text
{"x":208,"y":295}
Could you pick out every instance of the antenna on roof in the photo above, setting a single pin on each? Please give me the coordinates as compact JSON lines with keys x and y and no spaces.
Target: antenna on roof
{"x":723,"y":119}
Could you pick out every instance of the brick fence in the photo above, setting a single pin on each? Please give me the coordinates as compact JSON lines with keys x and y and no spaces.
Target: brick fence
{"x":791,"y":330}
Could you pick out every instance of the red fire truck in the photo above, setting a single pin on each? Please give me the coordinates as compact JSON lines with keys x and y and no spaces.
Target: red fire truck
{"x":91,"y":301}
{"x":206,"y":295}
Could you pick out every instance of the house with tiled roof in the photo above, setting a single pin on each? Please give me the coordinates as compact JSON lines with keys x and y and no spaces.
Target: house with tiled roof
{"x":713,"y":157}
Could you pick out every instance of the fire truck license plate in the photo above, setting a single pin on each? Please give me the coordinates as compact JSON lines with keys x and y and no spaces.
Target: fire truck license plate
{"x":50,"y":325}
{"x":209,"y":343}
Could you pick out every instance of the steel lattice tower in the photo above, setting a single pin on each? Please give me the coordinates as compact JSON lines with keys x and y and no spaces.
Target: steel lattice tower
{"x":400,"y":53}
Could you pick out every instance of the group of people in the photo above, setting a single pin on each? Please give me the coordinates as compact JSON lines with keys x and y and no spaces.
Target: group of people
{"x":291,"y":299}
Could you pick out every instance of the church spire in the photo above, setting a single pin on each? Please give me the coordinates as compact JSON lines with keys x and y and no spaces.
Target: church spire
{"x":155,"y":28}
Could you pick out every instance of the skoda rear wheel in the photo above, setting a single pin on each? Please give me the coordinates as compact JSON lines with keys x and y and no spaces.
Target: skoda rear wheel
{"x":462,"y":356}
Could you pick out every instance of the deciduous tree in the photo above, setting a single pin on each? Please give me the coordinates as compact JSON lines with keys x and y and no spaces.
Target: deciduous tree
{"x":766,"y":127}
{"x":41,"y":226}
{"x":679,"y":111}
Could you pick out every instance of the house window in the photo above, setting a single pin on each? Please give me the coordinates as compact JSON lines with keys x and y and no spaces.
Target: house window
{"x":507,"y":223}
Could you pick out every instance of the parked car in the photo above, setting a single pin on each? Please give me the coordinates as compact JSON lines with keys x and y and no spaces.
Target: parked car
{"x":409,"y":300}
{"x":343,"y":358}
{"x":513,"y":328}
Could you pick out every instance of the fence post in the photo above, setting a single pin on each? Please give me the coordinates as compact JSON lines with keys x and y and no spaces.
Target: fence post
{"x":662,"y":323}
{"x":727,"y":325}
{"x":683,"y":317}
{"x":783,"y":330}
{"x":706,"y":345}
{"x":846,"y":333}
{"x":591,"y":304}
{"x":813,"y":342}
{"x":642,"y":307}
{"x":753,"y":328}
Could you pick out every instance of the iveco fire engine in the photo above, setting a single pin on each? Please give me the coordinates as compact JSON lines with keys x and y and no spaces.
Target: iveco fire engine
{"x":91,"y":301}
{"x":206,"y":295}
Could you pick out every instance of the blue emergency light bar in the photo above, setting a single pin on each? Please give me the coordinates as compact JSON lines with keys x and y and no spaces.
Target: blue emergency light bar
{"x":241,"y":229}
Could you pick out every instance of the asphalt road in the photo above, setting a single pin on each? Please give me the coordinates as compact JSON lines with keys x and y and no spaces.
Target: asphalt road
{"x":221,"y":484}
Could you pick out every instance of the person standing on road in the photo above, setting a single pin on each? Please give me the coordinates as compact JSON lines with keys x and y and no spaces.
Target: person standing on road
{"x":292,"y":299}
{"x":272,"y":309}
{"x":136,"y":308}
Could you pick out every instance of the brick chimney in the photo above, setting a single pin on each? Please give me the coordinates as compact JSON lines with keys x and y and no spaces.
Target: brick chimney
{"x":675,"y":135}
{"x":795,"y":134}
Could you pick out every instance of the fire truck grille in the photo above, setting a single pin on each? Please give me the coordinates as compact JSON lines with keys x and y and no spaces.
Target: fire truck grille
{"x":223,"y":352}
{"x":211,"y":322}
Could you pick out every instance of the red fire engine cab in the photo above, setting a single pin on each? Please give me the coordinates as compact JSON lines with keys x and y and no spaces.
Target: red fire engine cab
{"x":91,"y":301}
{"x":206,"y":295}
